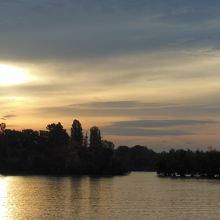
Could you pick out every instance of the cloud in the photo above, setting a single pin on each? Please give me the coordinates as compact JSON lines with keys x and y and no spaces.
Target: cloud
{"x":114,"y":60}
{"x":111,"y":108}
{"x":8,"y":116}
{"x":137,"y":109}
{"x":153,"y":127}
{"x":45,"y":30}
{"x":108,"y":105}
{"x":161,"y":123}
{"x":126,"y":131}
{"x":124,"y":104}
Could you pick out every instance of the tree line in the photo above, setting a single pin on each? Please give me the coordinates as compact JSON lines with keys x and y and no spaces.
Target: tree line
{"x":184,"y":163}
{"x":54,"y":151}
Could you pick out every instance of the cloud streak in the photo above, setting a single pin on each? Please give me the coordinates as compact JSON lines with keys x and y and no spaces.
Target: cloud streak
{"x":162,"y":123}
{"x":8,"y":116}
{"x":126,"y":131}
{"x":154,"y":127}
{"x":136,"y":108}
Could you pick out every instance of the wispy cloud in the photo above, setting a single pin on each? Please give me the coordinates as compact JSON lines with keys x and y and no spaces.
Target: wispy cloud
{"x":8,"y":116}
{"x":138,"y":109}
{"x":126,"y":131}
{"x":153,"y":127}
{"x":162,"y":123}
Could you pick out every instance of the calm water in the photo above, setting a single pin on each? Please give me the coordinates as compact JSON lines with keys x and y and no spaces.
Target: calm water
{"x":136,"y":196}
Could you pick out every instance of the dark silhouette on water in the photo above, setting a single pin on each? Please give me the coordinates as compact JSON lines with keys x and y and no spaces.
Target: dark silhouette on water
{"x":184,"y":163}
{"x":55,"y":152}
{"x":77,"y":134}
{"x":137,"y":158}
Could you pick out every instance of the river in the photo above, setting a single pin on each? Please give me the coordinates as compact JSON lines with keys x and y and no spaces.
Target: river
{"x":136,"y":196}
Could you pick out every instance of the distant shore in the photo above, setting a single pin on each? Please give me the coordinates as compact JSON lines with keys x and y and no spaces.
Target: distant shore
{"x":187,"y":176}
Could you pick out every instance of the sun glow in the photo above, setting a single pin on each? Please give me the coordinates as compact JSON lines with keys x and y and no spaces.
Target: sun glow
{"x":11,"y":75}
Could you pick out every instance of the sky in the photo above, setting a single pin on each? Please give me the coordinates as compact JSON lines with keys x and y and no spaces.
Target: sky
{"x":144,"y":71}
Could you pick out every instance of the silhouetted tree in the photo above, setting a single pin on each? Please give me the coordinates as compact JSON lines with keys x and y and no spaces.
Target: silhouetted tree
{"x":187,"y":162}
{"x":77,"y":133}
{"x":58,"y":141}
{"x":2,"y":127}
{"x":95,"y":138}
{"x":85,"y":141}
{"x":51,"y":152}
{"x":58,"y":136}
{"x":137,"y":158}
{"x":108,"y":144}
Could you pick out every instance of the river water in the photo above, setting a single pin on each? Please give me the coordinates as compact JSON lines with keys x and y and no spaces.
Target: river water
{"x":136,"y":196}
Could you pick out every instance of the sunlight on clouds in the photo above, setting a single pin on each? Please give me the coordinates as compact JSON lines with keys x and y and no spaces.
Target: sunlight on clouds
{"x":12,"y":75}
{"x":59,"y":90}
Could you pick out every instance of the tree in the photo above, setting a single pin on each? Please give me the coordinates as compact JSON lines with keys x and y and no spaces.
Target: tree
{"x":57,"y":135}
{"x":58,"y":141}
{"x":85,"y":141}
{"x":95,"y":138}
{"x":108,"y":144}
{"x":2,"y":128}
{"x":50,"y":152}
{"x":77,"y":133}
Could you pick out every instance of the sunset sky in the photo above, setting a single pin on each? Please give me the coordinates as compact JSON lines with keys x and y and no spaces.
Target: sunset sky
{"x":144,"y":71}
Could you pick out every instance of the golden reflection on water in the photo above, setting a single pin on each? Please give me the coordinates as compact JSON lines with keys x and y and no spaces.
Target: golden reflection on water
{"x":3,"y":198}
{"x":136,"y":196}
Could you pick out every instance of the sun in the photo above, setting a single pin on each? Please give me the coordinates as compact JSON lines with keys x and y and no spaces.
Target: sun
{"x":12,"y":75}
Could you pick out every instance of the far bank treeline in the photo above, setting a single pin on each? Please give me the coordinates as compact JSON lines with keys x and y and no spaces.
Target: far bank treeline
{"x":54,"y":151}
{"x":202,"y":164}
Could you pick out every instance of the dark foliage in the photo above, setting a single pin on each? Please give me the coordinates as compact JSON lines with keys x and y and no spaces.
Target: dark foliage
{"x":55,"y":152}
{"x":188,"y":163}
{"x":137,"y":158}
{"x":77,"y":133}
{"x":95,"y":138}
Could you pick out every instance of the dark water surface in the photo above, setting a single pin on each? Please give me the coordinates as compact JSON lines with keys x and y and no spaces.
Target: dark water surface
{"x":136,"y":196}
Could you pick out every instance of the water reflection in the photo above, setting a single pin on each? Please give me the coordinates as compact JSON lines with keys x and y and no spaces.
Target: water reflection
{"x":77,"y":195}
{"x":3,"y":198}
{"x":94,"y":193}
{"x":137,"y":196}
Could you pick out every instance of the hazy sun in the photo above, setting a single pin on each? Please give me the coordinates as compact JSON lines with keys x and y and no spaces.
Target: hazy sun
{"x":11,"y":75}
